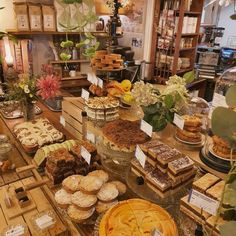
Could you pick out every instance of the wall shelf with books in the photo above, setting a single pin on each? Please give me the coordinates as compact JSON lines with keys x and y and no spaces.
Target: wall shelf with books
{"x":176,"y":31}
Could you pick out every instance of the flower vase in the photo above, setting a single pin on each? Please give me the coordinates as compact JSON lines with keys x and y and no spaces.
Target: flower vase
{"x":28,"y":110}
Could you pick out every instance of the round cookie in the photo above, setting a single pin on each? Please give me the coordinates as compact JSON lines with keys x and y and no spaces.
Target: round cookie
{"x":83,"y":201}
{"x":71,"y":183}
{"x":90,"y":184}
{"x":77,"y":215}
{"x":101,"y":174}
{"x":108,"y":192}
{"x":63,"y":198}
{"x":120,"y":187}
{"x":102,"y":206}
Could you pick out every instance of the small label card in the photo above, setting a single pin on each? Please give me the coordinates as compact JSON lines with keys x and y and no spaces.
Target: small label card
{"x":141,"y":157}
{"x":156,"y":232}
{"x":91,"y":137}
{"x":202,"y":201}
{"x":146,"y":128}
{"x":178,"y":121}
{"x":100,"y":83}
{"x":62,"y":121}
{"x":18,"y":230}
{"x":86,"y":155}
{"x":85,"y":94}
{"x":44,"y":221}
{"x":92,"y":78}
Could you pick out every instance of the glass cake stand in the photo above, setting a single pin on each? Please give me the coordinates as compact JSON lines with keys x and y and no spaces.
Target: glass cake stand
{"x":114,"y":161}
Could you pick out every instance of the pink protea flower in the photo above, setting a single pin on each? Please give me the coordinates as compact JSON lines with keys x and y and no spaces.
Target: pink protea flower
{"x":48,"y":86}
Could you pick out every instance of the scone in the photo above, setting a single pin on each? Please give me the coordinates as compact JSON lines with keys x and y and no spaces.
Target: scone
{"x":90,"y":184}
{"x":101,"y":174}
{"x":71,"y":183}
{"x":108,"y":192}
{"x":103,"y":206}
{"x":77,"y":215}
{"x":192,"y":121}
{"x":63,"y":198}
{"x":120,"y":187}
{"x":83,"y":201}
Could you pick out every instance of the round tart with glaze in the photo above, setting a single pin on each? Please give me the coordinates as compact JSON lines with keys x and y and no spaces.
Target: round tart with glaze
{"x":90,"y":184}
{"x":77,"y":215}
{"x":120,"y":187}
{"x":137,"y":217}
{"x":82,"y":200}
{"x":63,"y":198}
{"x":108,"y":192}
{"x":101,"y":174}
{"x":71,"y":183}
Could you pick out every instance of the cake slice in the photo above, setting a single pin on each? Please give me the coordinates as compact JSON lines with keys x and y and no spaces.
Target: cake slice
{"x":151,"y":144}
{"x":158,"y":181}
{"x":138,"y":170}
{"x":205,"y":182}
{"x":165,"y":157}
{"x":180,"y":165}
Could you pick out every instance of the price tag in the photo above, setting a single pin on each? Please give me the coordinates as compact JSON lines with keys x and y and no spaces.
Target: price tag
{"x":92,"y":78}
{"x":62,"y":121}
{"x":178,"y":121}
{"x":18,"y":230}
{"x":44,"y":221}
{"x":91,"y":137}
{"x":85,"y":94}
{"x":202,"y":201}
{"x":100,"y":83}
{"x":146,"y":128}
{"x":156,"y":232}
{"x":141,"y":157}
{"x":86,"y":155}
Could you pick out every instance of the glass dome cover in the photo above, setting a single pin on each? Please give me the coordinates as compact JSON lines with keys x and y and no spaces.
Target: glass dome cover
{"x":227,"y":79}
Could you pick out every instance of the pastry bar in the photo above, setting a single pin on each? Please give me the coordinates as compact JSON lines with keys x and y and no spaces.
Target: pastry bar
{"x":138,"y":170}
{"x":35,"y":134}
{"x":159,"y":182}
{"x":123,"y":135}
{"x":205,"y":182}
{"x":180,"y":165}
{"x":151,"y":144}
{"x":155,"y":151}
{"x":216,"y":190}
{"x":59,"y":165}
{"x":211,"y":223}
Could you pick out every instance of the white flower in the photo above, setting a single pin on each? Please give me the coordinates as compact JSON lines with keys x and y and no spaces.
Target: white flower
{"x":26,"y":89}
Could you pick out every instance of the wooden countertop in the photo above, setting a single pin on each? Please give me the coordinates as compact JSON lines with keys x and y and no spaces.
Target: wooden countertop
{"x":54,"y":117}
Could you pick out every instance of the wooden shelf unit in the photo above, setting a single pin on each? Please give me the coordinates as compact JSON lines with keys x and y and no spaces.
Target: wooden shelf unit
{"x":70,"y":61}
{"x":171,"y":35}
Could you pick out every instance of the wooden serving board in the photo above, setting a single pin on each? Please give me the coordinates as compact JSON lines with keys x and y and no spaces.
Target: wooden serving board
{"x":39,"y":203}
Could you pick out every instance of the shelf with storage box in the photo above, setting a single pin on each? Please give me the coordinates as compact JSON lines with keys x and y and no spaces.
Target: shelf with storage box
{"x":176,"y":37}
{"x":69,"y":61}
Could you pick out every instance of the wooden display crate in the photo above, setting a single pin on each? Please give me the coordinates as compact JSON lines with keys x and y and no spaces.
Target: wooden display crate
{"x":72,"y":109}
{"x":39,"y":203}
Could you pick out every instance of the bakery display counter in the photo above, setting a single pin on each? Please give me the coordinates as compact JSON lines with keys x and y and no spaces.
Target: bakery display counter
{"x":46,"y":200}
